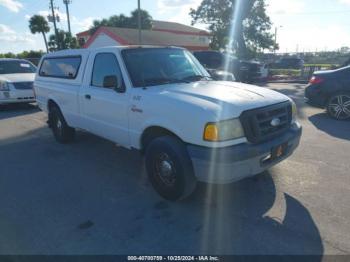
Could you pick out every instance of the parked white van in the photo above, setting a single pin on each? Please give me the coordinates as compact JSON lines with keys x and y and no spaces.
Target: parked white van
{"x":16,"y":81}
{"x":161,"y":101}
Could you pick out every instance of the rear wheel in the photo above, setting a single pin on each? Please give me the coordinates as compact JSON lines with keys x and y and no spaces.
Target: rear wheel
{"x":62,"y":132}
{"x":338,"y":106}
{"x":169,"y":168}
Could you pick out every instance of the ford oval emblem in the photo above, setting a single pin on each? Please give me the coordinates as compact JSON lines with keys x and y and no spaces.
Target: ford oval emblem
{"x":275,"y":122}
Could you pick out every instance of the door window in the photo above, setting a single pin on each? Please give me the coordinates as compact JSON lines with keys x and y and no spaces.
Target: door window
{"x":105,"y":65}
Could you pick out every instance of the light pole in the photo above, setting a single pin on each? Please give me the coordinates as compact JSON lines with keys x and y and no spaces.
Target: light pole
{"x":67,"y":2}
{"x":139,"y":21}
{"x":276,"y":31}
{"x":54,"y":24}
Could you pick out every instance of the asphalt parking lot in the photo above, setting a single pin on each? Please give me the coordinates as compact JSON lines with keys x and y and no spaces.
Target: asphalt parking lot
{"x":91,"y":197}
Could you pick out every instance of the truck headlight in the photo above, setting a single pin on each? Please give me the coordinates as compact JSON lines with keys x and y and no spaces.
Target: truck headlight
{"x":4,"y":86}
{"x":294,"y":112}
{"x":223,"y":130}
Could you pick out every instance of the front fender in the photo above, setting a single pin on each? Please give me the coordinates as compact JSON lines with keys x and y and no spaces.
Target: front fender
{"x":136,"y":134}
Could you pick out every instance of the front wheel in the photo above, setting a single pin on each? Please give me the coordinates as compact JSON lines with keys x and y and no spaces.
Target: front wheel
{"x":62,"y":132}
{"x":169,"y":168}
{"x":338,"y":106}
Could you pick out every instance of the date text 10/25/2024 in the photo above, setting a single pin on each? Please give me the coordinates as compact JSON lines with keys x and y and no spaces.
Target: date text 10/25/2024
{"x":173,"y":258}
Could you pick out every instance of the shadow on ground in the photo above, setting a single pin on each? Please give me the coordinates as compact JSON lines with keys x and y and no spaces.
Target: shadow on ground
{"x":14,"y":110}
{"x":90,"y":197}
{"x":339,"y":129}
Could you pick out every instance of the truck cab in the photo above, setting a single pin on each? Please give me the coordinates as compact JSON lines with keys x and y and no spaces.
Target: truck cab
{"x":162,"y":102}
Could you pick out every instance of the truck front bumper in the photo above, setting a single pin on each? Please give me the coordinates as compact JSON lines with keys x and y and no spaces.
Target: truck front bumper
{"x":230,"y":164}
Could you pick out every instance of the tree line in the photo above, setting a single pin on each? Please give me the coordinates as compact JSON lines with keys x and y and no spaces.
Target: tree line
{"x":240,"y":26}
{"x":23,"y":55}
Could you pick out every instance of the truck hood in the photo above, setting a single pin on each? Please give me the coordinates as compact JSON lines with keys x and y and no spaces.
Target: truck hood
{"x":12,"y":78}
{"x":227,"y":99}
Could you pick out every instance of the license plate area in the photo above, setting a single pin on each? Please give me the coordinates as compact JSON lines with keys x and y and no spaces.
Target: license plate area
{"x":276,"y":153}
{"x":279,"y":151}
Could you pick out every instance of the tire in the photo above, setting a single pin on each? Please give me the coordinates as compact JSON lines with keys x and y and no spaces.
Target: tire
{"x":169,"y":168}
{"x":62,"y":132}
{"x":338,"y":106}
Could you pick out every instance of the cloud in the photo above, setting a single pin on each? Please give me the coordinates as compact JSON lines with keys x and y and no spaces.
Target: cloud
{"x":4,"y":29}
{"x":172,"y":5}
{"x":77,"y":24}
{"x":321,"y":38}
{"x":176,"y":3}
{"x":83,"y":24}
{"x":167,"y":8}
{"x":12,"y":5}
{"x":347,"y":2}
{"x":285,"y":6}
{"x":9,"y":35}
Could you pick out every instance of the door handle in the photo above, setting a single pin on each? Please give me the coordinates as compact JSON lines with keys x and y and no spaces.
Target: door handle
{"x":88,"y":97}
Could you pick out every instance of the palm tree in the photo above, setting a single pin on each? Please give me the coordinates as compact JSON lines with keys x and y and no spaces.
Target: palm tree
{"x":38,"y":24}
{"x":66,"y":40}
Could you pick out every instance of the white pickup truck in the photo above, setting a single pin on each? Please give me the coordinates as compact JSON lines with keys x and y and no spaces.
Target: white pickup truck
{"x":161,"y":101}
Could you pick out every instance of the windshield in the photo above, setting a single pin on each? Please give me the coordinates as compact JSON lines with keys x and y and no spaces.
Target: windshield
{"x":159,"y":66}
{"x":16,"y":67}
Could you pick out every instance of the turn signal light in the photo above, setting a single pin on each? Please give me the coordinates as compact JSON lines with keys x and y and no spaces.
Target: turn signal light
{"x":211,"y":133}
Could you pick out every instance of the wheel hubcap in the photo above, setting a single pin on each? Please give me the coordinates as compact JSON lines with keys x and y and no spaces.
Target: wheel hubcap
{"x":59,"y":127}
{"x":339,"y":106}
{"x":59,"y":124}
{"x":165,"y":170}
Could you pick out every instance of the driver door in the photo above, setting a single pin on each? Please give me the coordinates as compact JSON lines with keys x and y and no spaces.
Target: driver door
{"x":104,"y":106}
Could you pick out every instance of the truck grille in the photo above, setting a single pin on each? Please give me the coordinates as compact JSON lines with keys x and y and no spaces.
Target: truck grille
{"x":262,"y":124}
{"x":23,"y":85}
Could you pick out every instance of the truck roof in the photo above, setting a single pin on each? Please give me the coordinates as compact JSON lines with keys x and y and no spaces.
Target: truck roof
{"x":72,"y":52}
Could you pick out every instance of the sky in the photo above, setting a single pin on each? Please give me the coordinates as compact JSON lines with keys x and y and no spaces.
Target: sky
{"x":302,"y":25}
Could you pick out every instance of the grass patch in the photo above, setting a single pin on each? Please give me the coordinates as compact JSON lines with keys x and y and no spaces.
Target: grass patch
{"x":287,"y":72}
{"x":320,"y":65}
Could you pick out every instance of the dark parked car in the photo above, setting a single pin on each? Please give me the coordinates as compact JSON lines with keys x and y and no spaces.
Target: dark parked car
{"x":215,"y":64}
{"x":253,"y":72}
{"x":331,"y":90}
{"x":221,"y":75}
{"x":243,"y":71}
{"x":288,"y":63}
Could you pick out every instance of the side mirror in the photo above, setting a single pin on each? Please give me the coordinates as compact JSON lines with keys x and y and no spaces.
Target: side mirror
{"x":110,"y":81}
{"x":113,"y":82}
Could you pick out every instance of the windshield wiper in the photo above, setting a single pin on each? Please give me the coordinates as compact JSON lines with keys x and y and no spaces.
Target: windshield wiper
{"x":163,"y":81}
{"x":196,"y":78}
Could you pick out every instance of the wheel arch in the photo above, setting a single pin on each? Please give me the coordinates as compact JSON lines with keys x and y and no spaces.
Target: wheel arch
{"x":152,"y":132}
{"x":338,"y":90}
{"x":51,"y":103}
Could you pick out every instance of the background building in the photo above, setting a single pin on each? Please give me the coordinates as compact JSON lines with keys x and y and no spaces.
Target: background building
{"x":162,"y":33}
